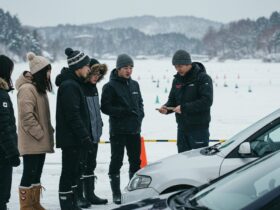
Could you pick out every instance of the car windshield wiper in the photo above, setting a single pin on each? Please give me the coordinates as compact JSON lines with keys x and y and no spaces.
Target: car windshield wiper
{"x":182,"y":201}
{"x":212,"y":149}
{"x":179,"y":204}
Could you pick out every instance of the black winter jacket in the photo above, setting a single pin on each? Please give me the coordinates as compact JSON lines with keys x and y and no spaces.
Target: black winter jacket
{"x":72,"y":117}
{"x":122,"y":101}
{"x":194,"y":92}
{"x":8,"y":134}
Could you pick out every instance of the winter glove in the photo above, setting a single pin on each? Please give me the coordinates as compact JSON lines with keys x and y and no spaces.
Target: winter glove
{"x":14,"y":161}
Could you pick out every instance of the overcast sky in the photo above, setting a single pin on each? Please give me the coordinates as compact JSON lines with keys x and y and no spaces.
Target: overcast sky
{"x":53,"y":12}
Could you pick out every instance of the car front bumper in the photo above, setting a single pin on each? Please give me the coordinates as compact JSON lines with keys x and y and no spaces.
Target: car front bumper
{"x":139,"y":194}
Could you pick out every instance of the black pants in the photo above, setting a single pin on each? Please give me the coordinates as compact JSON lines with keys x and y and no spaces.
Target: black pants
{"x":70,"y":172}
{"x":132,"y":143}
{"x":90,"y":161}
{"x":5,"y":184}
{"x":32,"y":169}
{"x":192,"y":139}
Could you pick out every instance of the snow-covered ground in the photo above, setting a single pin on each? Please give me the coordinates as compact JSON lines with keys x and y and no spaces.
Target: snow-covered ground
{"x":233,"y":110}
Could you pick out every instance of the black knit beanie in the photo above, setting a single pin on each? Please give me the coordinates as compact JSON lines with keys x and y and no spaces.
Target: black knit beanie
{"x":76,"y":59}
{"x":6,"y":66}
{"x":124,"y":60}
{"x":181,"y":57}
{"x":93,"y":61}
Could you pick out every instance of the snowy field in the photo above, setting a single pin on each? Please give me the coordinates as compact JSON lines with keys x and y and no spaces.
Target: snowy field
{"x":233,"y":109}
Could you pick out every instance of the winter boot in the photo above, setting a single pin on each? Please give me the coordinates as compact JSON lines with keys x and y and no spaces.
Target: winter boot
{"x":3,"y":206}
{"x":66,"y":200}
{"x":37,"y":190}
{"x":81,"y":201}
{"x":26,"y":198}
{"x":89,"y":186}
{"x":75,"y":198}
{"x":115,"y":186}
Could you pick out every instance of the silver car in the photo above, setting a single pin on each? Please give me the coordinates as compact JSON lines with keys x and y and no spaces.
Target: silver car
{"x":254,"y":186}
{"x":196,"y":167}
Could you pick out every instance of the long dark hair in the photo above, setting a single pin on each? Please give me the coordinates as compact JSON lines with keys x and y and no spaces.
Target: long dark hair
{"x":6,"y":68}
{"x":40,"y":80}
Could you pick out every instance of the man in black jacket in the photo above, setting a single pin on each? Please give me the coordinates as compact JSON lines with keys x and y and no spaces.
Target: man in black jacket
{"x":122,"y":101}
{"x":9,"y":155}
{"x":72,"y":126}
{"x":191,"y":97}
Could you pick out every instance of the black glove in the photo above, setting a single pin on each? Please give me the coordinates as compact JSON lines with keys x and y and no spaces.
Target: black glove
{"x":14,"y":161}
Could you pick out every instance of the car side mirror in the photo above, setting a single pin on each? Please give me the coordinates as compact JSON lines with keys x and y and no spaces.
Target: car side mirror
{"x":245,"y":148}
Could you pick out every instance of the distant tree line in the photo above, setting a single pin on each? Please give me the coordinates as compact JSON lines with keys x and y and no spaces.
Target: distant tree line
{"x":105,"y":42}
{"x":236,"y":40}
{"x":245,"y":38}
{"x":16,"y":40}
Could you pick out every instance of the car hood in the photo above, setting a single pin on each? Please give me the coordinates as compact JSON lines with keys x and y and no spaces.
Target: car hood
{"x":191,"y":168}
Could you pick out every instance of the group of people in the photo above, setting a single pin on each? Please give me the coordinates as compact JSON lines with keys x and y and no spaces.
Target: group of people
{"x":79,"y":123}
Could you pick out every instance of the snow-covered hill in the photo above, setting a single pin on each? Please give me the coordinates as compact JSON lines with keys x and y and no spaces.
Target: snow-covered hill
{"x":191,"y":27}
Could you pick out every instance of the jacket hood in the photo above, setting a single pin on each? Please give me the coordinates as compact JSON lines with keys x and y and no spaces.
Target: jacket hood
{"x":114,"y":76}
{"x":64,"y":75}
{"x":24,"y":78}
{"x":67,"y":74}
{"x":197,"y":68}
{"x":3,"y":84}
{"x":98,"y":68}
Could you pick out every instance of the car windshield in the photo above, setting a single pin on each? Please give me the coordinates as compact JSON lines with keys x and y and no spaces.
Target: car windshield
{"x":242,"y":187}
{"x":250,"y":130}
{"x":220,"y":146}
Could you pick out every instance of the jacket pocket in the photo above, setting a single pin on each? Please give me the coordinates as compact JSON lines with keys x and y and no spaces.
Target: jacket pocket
{"x":37,"y":134}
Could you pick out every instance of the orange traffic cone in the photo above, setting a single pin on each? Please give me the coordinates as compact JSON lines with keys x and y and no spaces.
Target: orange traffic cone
{"x":143,"y":156}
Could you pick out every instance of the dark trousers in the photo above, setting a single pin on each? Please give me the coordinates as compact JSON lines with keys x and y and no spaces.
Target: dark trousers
{"x":132,"y":143}
{"x":70,"y":172}
{"x":90,"y":162}
{"x":5,"y":184}
{"x":32,"y":169}
{"x":192,"y":139}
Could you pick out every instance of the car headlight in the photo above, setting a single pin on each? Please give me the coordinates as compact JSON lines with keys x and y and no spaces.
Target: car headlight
{"x":139,"y":182}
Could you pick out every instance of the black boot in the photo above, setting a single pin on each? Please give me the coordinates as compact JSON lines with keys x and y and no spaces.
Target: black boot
{"x":75,"y":198}
{"x":81,"y":200}
{"x":66,"y":201}
{"x":115,"y":186}
{"x":3,"y":207}
{"x":89,"y":186}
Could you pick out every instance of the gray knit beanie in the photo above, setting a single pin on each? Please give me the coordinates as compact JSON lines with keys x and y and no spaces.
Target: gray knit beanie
{"x":124,"y":60}
{"x":181,"y":57}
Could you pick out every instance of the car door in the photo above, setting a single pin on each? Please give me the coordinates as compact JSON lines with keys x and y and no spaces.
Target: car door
{"x":263,"y":142}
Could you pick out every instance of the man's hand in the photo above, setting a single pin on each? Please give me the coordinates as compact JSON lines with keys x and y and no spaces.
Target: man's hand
{"x":14,"y":161}
{"x":162,"y":110}
{"x":177,"y":109}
